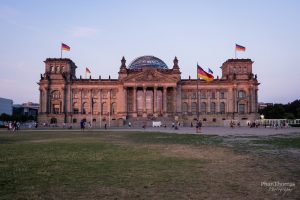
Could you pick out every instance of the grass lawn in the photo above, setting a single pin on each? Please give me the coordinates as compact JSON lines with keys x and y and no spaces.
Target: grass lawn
{"x":137,"y":165}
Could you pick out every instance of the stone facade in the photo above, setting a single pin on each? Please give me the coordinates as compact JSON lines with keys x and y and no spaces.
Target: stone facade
{"x":147,"y":90}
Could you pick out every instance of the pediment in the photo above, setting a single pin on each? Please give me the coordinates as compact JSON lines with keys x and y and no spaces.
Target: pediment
{"x":150,"y":76}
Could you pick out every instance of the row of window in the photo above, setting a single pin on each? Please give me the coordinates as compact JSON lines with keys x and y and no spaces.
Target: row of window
{"x":95,"y":108}
{"x":104,"y":94}
{"x":57,"y":69}
{"x":203,"y":95}
{"x":203,"y":107}
{"x":239,"y":70}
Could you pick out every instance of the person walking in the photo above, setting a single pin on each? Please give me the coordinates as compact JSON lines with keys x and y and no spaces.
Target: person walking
{"x":199,"y":126}
{"x":82,"y":125}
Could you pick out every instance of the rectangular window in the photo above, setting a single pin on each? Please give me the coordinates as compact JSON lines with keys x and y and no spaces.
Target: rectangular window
{"x":222,"y":95}
{"x":241,"y":108}
{"x":213,"y":95}
{"x":203,"y":95}
{"x":194,"y":95}
{"x":113,"y":94}
{"x":104,"y":94}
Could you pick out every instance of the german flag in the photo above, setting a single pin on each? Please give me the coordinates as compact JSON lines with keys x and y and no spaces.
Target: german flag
{"x":239,"y":48}
{"x":65,"y":47}
{"x":201,"y":74}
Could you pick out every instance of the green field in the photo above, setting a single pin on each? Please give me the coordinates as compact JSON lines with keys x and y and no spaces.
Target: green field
{"x":137,"y":165}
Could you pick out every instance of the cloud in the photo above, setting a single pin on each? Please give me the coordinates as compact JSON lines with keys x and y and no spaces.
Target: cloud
{"x":12,"y":16}
{"x":83,"y":32}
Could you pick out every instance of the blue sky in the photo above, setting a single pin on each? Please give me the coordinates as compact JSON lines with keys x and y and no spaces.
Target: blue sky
{"x":101,"y":32}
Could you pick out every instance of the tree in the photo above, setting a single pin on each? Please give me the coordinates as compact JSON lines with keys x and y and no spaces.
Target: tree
{"x":5,"y":117}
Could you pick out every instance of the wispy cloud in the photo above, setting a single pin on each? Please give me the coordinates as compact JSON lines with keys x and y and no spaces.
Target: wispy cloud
{"x":12,"y":16}
{"x":83,"y":32}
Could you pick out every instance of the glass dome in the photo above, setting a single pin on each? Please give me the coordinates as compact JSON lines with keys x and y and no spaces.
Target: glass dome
{"x":147,"y":61}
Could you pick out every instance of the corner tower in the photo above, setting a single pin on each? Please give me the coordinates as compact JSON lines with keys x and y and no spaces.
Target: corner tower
{"x":240,"y":69}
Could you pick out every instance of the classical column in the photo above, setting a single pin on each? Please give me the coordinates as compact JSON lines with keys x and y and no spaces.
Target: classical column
{"x":175,"y":100}
{"x":63,"y":100}
{"x":91,"y":101}
{"x":165,"y":100}
{"x":125,"y":100}
{"x":80,"y":96}
{"x":47,"y":100}
{"x":109,"y":106}
{"x":250,"y":95}
{"x":71,"y":101}
{"x":41,"y":102}
{"x":234,"y":97}
{"x":100,"y":107}
{"x":134,"y":99}
{"x":154,"y":100}
{"x":144,"y":100}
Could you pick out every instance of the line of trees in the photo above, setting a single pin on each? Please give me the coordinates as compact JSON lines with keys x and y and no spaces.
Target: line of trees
{"x":282,"y":111}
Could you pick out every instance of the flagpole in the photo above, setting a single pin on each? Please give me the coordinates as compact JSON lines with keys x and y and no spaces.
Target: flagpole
{"x":60,"y":52}
{"x":100,"y":109}
{"x":235,"y":51}
{"x":197,"y":95}
{"x":92,"y":112}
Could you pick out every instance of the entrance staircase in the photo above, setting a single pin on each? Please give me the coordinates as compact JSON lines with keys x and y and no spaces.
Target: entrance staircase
{"x":139,"y":122}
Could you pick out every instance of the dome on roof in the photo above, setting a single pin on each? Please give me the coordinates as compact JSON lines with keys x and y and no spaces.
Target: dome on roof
{"x":147,"y":61}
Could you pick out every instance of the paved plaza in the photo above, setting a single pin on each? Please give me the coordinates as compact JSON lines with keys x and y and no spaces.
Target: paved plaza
{"x":220,"y":131}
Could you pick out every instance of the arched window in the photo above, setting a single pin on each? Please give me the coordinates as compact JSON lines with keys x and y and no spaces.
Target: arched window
{"x":85,"y":94}
{"x":75,"y":108}
{"x":95,"y":107}
{"x":55,"y":94}
{"x":104,"y":109}
{"x":241,"y":94}
{"x":113,"y":108}
{"x":203,"y":107}
{"x":194,"y":107}
{"x":222,"y":107}
{"x":75,"y":94}
{"x":84,"y":108}
{"x":62,"y":68}
{"x":185,"y":108}
{"x":213,"y":107}
{"x":51,"y":68}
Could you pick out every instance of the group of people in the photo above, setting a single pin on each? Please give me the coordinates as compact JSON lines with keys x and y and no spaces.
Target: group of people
{"x":14,"y":126}
{"x":83,"y":125}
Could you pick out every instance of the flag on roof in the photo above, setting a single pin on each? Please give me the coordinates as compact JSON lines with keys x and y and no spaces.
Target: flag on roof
{"x":239,"y":48}
{"x":65,"y":47}
{"x":87,"y":70}
{"x":210,"y":71}
{"x":203,"y":74}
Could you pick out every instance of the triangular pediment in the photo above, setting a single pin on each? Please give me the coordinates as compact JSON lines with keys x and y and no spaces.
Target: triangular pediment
{"x":150,"y":76}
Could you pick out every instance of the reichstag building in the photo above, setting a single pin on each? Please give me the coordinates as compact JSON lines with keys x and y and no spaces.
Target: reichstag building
{"x":147,"y":90}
